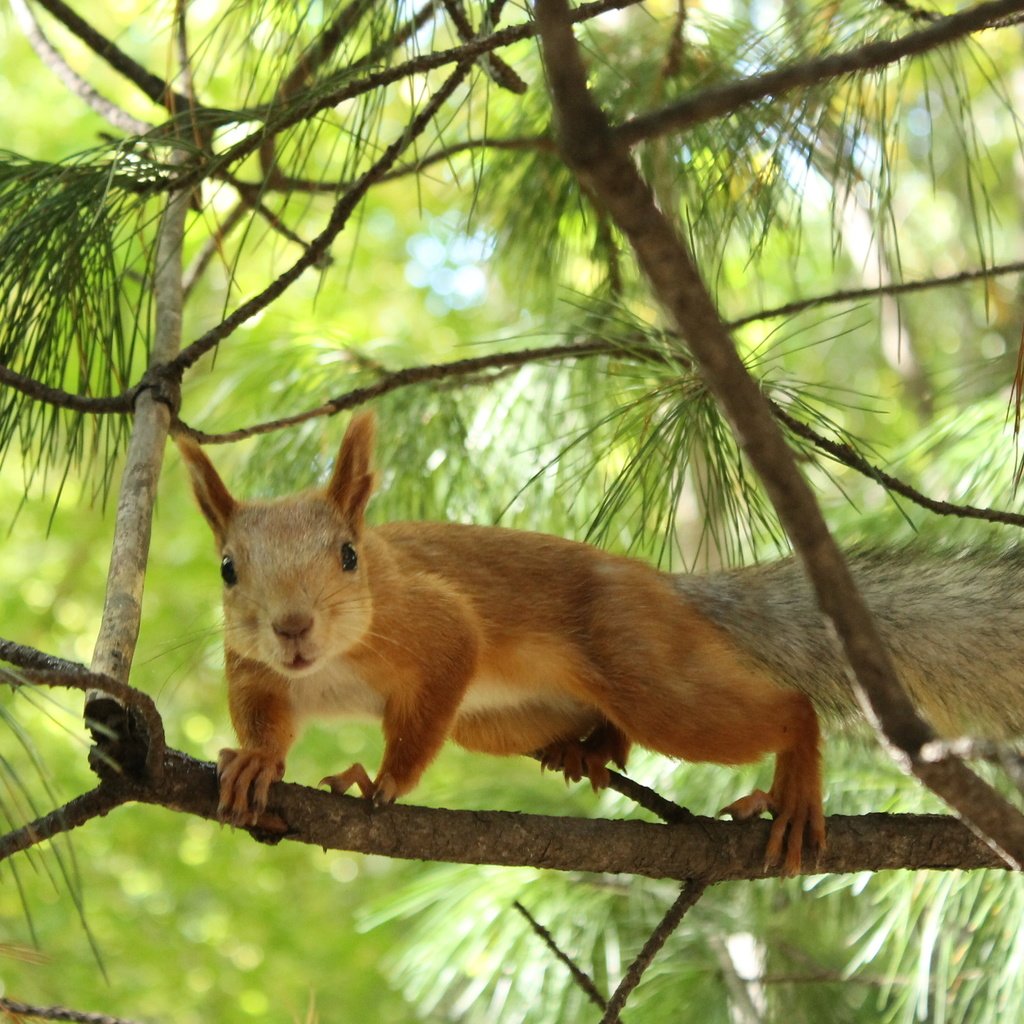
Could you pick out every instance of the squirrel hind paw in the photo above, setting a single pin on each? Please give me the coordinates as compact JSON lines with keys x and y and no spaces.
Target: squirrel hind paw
{"x":587,"y":758}
{"x":575,"y":762}
{"x":794,"y":826}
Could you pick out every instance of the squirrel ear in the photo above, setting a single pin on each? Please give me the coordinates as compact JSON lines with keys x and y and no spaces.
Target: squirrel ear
{"x":214,"y":499}
{"x":351,"y":483}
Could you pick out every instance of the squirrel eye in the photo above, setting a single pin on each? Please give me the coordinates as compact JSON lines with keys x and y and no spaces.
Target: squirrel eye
{"x":349,"y":560}
{"x":227,"y":571}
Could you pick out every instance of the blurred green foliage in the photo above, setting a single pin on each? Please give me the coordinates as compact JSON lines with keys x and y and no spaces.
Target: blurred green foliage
{"x":912,"y":174}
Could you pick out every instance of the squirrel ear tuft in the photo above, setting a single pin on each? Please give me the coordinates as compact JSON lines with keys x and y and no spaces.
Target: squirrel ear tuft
{"x":352,"y":482}
{"x":214,"y":498}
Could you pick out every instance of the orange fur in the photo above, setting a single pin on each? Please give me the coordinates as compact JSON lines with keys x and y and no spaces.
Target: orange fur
{"x":507,"y":642}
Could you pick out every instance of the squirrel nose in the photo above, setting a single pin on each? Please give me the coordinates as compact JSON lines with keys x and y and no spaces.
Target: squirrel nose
{"x":293,"y":626}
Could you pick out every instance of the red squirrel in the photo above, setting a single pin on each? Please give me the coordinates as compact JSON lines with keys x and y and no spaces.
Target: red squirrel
{"x":511,"y":642}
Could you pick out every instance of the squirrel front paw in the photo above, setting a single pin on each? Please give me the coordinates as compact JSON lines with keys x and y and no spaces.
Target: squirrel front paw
{"x":382,"y":792}
{"x":245,"y":777}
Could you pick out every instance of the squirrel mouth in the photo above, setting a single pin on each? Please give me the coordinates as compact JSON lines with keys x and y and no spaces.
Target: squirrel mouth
{"x":298,"y":663}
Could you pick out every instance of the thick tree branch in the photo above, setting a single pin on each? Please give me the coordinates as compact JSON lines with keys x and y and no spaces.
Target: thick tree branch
{"x":704,"y":848}
{"x":607,"y":170}
{"x":122,"y":608}
{"x":721,"y":100}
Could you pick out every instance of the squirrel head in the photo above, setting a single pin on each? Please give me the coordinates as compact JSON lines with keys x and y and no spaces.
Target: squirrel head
{"x":296,"y":590}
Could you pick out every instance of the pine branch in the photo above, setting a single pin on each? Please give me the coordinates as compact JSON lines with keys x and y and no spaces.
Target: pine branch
{"x":606,"y":169}
{"x":401,"y":379}
{"x":690,"y":893}
{"x":95,"y":804}
{"x":26,"y":1011}
{"x":706,"y":848}
{"x":850,"y":457}
{"x":879,"y":291}
{"x":275,"y":122}
{"x":580,"y":977}
{"x":70,"y":78}
{"x":149,"y":84}
{"x":318,"y":247}
{"x":725,"y":99}
{"x":308,"y":62}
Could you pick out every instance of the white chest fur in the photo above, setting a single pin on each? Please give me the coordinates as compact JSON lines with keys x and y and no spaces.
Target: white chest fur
{"x":336,"y":689}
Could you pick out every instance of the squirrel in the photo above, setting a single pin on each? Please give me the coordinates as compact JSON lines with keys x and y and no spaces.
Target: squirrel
{"x":512,"y":642}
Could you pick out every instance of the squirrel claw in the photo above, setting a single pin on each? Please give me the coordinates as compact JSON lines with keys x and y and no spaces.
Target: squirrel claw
{"x":751,"y":806}
{"x":245,"y":777}
{"x":381,"y":793}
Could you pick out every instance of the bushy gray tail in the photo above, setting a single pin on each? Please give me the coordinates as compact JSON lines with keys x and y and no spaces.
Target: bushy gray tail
{"x":953,"y":622}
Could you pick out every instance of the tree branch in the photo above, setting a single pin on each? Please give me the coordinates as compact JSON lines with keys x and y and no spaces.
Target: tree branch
{"x":73,"y":81}
{"x":149,"y":84}
{"x":122,"y":607}
{"x":119,"y":741}
{"x":850,"y":457}
{"x":318,"y":247}
{"x":25,"y":1011}
{"x":583,"y":980}
{"x":97,"y":803}
{"x":606,"y":169}
{"x":401,"y":379}
{"x":878,"y":291}
{"x":275,"y":122}
{"x":690,"y":893}
{"x":721,"y":100}
{"x":705,"y":848}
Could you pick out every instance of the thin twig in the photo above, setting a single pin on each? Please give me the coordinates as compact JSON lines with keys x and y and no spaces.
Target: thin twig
{"x":94,"y":804}
{"x":540,"y":143}
{"x":70,"y":78}
{"x":26,"y":1011}
{"x":317,"y":248}
{"x":649,"y":799}
{"x":727,"y":98}
{"x":494,"y":67}
{"x":691,"y":891}
{"x":582,"y":979}
{"x":849,"y":457}
{"x":401,"y":379}
{"x":878,"y":291}
{"x":151,"y":85}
